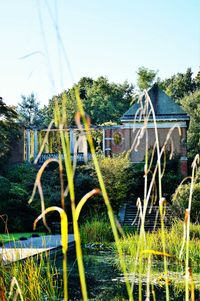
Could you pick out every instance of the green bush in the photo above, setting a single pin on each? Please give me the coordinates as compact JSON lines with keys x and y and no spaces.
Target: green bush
{"x":18,"y":191}
{"x":4,"y":187}
{"x":116,"y":178}
{"x":22,"y":173}
{"x":84,"y":181}
{"x":96,"y":230}
{"x":124,"y":181}
{"x":181,"y":199}
{"x":15,"y":192}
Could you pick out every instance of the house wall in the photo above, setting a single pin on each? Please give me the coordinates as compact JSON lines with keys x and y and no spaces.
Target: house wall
{"x":136,"y":140}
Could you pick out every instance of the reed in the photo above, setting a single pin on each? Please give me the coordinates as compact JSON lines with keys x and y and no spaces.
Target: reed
{"x":30,"y":280}
{"x":145,"y":248}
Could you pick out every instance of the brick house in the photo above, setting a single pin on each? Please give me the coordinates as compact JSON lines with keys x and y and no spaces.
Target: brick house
{"x":138,"y":128}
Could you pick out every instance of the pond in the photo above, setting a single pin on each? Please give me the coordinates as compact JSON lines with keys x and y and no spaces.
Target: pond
{"x":105,"y":281}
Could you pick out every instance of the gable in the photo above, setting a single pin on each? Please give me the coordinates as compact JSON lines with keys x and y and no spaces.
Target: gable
{"x":164,"y":106}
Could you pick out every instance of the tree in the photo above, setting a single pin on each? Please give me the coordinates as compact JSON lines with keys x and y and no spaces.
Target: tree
{"x":191,"y":104}
{"x":197,"y":80}
{"x":107,"y":101}
{"x":7,"y":113}
{"x":145,"y":78}
{"x":179,"y":85}
{"x":103,"y":101}
{"x":29,"y":112}
{"x":9,"y":131}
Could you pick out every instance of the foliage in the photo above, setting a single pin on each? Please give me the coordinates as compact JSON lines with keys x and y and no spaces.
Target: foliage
{"x":29,"y":112}
{"x":102,"y":100}
{"x":96,"y":229}
{"x":84,"y":180}
{"x":16,"y":190}
{"x":97,"y":137}
{"x":135,"y":179}
{"x":20,"y":215}
{"x":145,"y":78}
{"x":9,"y":131}
{"x":115,"y":178}
{"x":124,"y":181}
{"x":24,"y":172}
{"x":174,"y":240}
{"x":7,"y":113}
{"x":197,"y":175}
{"x":4,"y":238}
{"x":179,"y":85}
{"x":180,"y":201}
{"x":4,"y":186}
{"x":37,"y":279}
{"x":191,"y":104}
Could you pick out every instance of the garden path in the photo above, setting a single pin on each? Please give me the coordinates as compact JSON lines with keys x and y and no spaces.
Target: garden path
{"x":22,"y":249}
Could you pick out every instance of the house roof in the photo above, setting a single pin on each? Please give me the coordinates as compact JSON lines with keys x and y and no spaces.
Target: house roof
{"x":164,"y":106}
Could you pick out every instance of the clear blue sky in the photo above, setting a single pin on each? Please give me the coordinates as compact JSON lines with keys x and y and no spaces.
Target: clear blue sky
{"x":100,"y":37}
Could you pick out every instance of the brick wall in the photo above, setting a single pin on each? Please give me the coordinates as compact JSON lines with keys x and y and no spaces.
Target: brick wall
{"x":138,"y":152}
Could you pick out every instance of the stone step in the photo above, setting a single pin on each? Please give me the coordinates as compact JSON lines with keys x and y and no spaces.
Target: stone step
{"x":152,"y":218}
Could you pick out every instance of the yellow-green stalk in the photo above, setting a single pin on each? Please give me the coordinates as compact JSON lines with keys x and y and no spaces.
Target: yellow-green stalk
{"x":104,"y":192}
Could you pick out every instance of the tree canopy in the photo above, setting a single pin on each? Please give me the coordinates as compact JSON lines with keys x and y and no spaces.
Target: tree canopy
{"x":145,"y":78}
{"x":185,"y":90}
{"x":103,"y":101}
{"x":29,"y":111}
{"x":191,"y":104}
{"x":106,"y":101}
{"x":9,"y":132}
{"x":180,"y":85}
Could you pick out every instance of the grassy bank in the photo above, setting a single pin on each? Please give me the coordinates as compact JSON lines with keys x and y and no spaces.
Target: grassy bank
{"x":175,"y":246}
{"x":30,"y":280}
{"x":17,"y":236}
{"x":96,"y":230}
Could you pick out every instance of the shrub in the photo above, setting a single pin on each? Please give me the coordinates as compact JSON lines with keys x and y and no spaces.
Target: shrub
{"x":181,"y":198}
{"x":115,"y":178}
{"x":4,"y":187}
{"x":22,"y":173}
{"x":18,"y":191}
{"x":15,"y":191}
{"x":96,"y":230}
{"x":85,"y":180}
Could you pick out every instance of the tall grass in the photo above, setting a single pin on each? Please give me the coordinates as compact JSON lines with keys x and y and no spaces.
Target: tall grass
{"x":161,"y":244}
{"x":35,"y":280}
{"x":142,"y":246}
{"x":96,"y":230}
{"x":174,"y":236}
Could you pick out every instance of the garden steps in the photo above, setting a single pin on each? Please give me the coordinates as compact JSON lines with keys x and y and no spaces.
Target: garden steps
{"x":152,"y":219}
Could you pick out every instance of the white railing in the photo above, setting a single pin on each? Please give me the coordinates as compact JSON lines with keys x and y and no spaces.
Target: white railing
{"x":79,"y":157}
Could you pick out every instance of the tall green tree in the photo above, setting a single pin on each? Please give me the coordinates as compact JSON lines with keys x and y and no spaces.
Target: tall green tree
{"x":179,"y":85}
{"x":107,"y":101}
{"x":29,"y":111}
{"x":103,"y":101}
{"x":197,"y":80}
{"x":9,"y":131}
{"x":191,"y":104}
{"x":145,"y":78}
